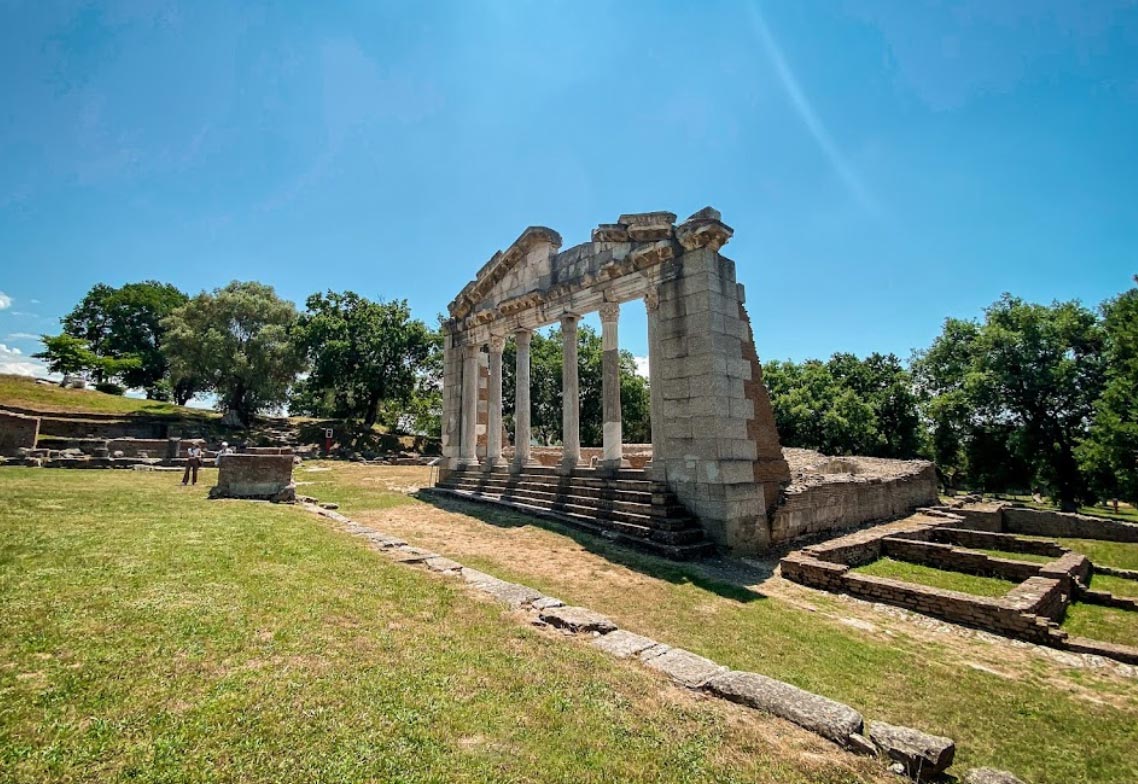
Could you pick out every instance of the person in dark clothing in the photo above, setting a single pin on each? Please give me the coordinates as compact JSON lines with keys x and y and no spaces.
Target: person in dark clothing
{"x":193,"y":463}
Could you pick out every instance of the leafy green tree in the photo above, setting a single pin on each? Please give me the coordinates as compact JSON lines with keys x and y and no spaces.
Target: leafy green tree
{"x":846,"y":405}
{"x":1109,"y":456}
{"x":123,"y":326}
{"x":364,"y":356}
{"x":1031,"y":372}
{"x":545,"y":390}
{"x":236,"y":342}
{"x":66,"y":354}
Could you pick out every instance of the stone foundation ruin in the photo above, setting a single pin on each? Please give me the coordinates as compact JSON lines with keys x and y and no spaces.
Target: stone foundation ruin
{"x":717,"y":476}
{"x":953,"y":539}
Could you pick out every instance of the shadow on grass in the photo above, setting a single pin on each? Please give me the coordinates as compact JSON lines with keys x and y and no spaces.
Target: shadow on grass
{"x":728,"y":578}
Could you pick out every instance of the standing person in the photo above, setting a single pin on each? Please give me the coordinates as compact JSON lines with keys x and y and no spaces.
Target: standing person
{"x":225,"y":450}
{"x":193,"y":463}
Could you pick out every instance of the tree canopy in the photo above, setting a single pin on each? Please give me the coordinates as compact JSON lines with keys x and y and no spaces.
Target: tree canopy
{"x":1016,"y":390}
{"x":363,"y":355}
{"x":236,"y":342}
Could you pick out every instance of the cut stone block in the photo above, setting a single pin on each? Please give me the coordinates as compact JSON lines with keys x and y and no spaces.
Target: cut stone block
{"x":828,"y":718}
{"x":442,"y":565}
{"x":923,"y":756}
{"x":685,"y":667}
{"x":623,"y":644}
{"x":578,"y":619}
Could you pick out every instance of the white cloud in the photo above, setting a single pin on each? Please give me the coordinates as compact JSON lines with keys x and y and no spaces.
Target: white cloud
{"x":5,"y":301}
{"x":641,"y":366}
{"x":13,"y":361}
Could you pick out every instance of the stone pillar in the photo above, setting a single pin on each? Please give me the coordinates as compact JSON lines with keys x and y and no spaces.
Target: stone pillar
{"x":467,"y":455}
{"x":522,"y":433}
{"x":655,"y":467}
{"x":494,"y":405}
{"x":610,"y":386}
{"x":570,"y":395}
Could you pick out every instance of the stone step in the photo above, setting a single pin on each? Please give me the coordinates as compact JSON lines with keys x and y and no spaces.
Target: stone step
{"x":603,"y":502}
{"x":625,"y":533}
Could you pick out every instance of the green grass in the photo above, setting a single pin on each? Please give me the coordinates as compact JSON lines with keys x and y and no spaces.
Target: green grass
{"x":1108,"y":624}
{"x":1044,"y":732}
{"x":1119,"y":586}
{"x":24,"y":392}
{"x":151,"y":635}
{"x":1029,"y":557}
{"x":1121,"y":555}
{"x":936,"y":578}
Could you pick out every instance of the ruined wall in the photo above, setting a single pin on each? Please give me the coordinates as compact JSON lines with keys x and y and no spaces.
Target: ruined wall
{"x":851,"y":501}
{"x":101,"y":428}
{"x":1038,"y":522}
{"x":17,"y":431}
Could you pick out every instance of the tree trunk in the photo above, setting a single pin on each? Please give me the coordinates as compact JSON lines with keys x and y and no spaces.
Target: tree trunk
{"x":372,"y":410}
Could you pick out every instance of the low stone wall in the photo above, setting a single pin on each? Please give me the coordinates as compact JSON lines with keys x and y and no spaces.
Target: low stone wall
{"x":17,"y":431}
{"x":849,"y":500}
{"x":264,"y":477}
{"x":60,"y":427}
{"x":268,"y":450}
{"x":1007,"y":543}
{"x":1038,"y":522}
{"x":945,"y":556}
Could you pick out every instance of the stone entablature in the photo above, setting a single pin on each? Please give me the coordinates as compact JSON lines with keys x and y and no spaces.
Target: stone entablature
{"x":713,"y":441}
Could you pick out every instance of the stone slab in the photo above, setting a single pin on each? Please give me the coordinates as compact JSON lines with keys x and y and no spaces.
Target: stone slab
{"x":923,"y":756}
{"x":989,"y":776}
{"x":826,"y":717}
{"x":623,"y":644}
{"x":441,"y":564}
{"x":686,"y":667}
{"x":577,"y":619}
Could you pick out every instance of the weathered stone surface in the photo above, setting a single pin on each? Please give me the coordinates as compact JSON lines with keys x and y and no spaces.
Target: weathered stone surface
{"x":577,"y":619}
{"x":407,"y":554}
{"x":546,"y":602}
{"x":685,"y":667}
{"x":610,"y":232}
{"x":265,"y":477}
{"x":623,"y":644}
{"x":17,"y":432}
{"x":922,"y":755}
{"x":509,"y":593}
{"x":440,"y":564}
{"x":818,"y":714}
{"x":989,"y":776}
{"x":859,"y":744}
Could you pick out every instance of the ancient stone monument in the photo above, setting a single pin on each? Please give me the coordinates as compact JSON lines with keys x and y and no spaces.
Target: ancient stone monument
{"x":717,"y":473}
{"x":263,"y":477}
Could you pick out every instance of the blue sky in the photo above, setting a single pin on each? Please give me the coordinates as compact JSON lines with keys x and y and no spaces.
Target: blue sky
{"x":884,"y":164}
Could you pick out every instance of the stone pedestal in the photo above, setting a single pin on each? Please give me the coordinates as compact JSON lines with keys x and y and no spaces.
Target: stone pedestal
{"x":258,"y":477}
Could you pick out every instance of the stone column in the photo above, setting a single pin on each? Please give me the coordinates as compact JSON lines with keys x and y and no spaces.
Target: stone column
{"x":655,"y":467}
{"x":610,"y":386}
{"x":467,"y":455}
{"x":570,"y":395}
{"x":522,"y":433}
{"x":494,"y":405}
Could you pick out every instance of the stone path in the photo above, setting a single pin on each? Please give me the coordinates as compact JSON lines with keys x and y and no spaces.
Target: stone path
{"x":828,"y":718}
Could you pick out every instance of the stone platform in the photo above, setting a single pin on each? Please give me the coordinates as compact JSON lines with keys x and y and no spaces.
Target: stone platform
{"x":626,"y":507}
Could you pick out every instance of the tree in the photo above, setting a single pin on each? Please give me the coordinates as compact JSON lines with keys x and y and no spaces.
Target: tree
{"x":237,"y":343}
{"x":545,"y":389}
{"x":124,"y":326}
{"x":1029,"y":372}
{"x":846,"y":406}
{"x":66,"y":354}
{"x":1109,"y":456}
{"x":364,"y":356}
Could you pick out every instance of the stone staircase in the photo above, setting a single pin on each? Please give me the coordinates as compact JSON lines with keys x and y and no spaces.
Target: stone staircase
{"x":626,"y":507}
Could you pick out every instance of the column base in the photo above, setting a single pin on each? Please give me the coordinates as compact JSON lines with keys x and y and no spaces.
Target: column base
{"x":490,"y":463}
{"x":568,"y":466}
{"x":468,"y":462}
{"x":612,"y":466}
{"x":518,"y":467}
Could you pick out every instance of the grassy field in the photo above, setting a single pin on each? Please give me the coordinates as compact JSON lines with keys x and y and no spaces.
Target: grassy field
{"x":151,"y":635}
{"x":1122,"y":555}
{"x":1102,"y":623}
{"x":24,"y":392}
{"x":1006,"y":707}
{"x":936,"y":578}
{"x":1119,"y":586}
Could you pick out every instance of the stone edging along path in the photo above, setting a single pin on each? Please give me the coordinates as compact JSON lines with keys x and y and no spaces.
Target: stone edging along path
{"x":917,"y":754}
